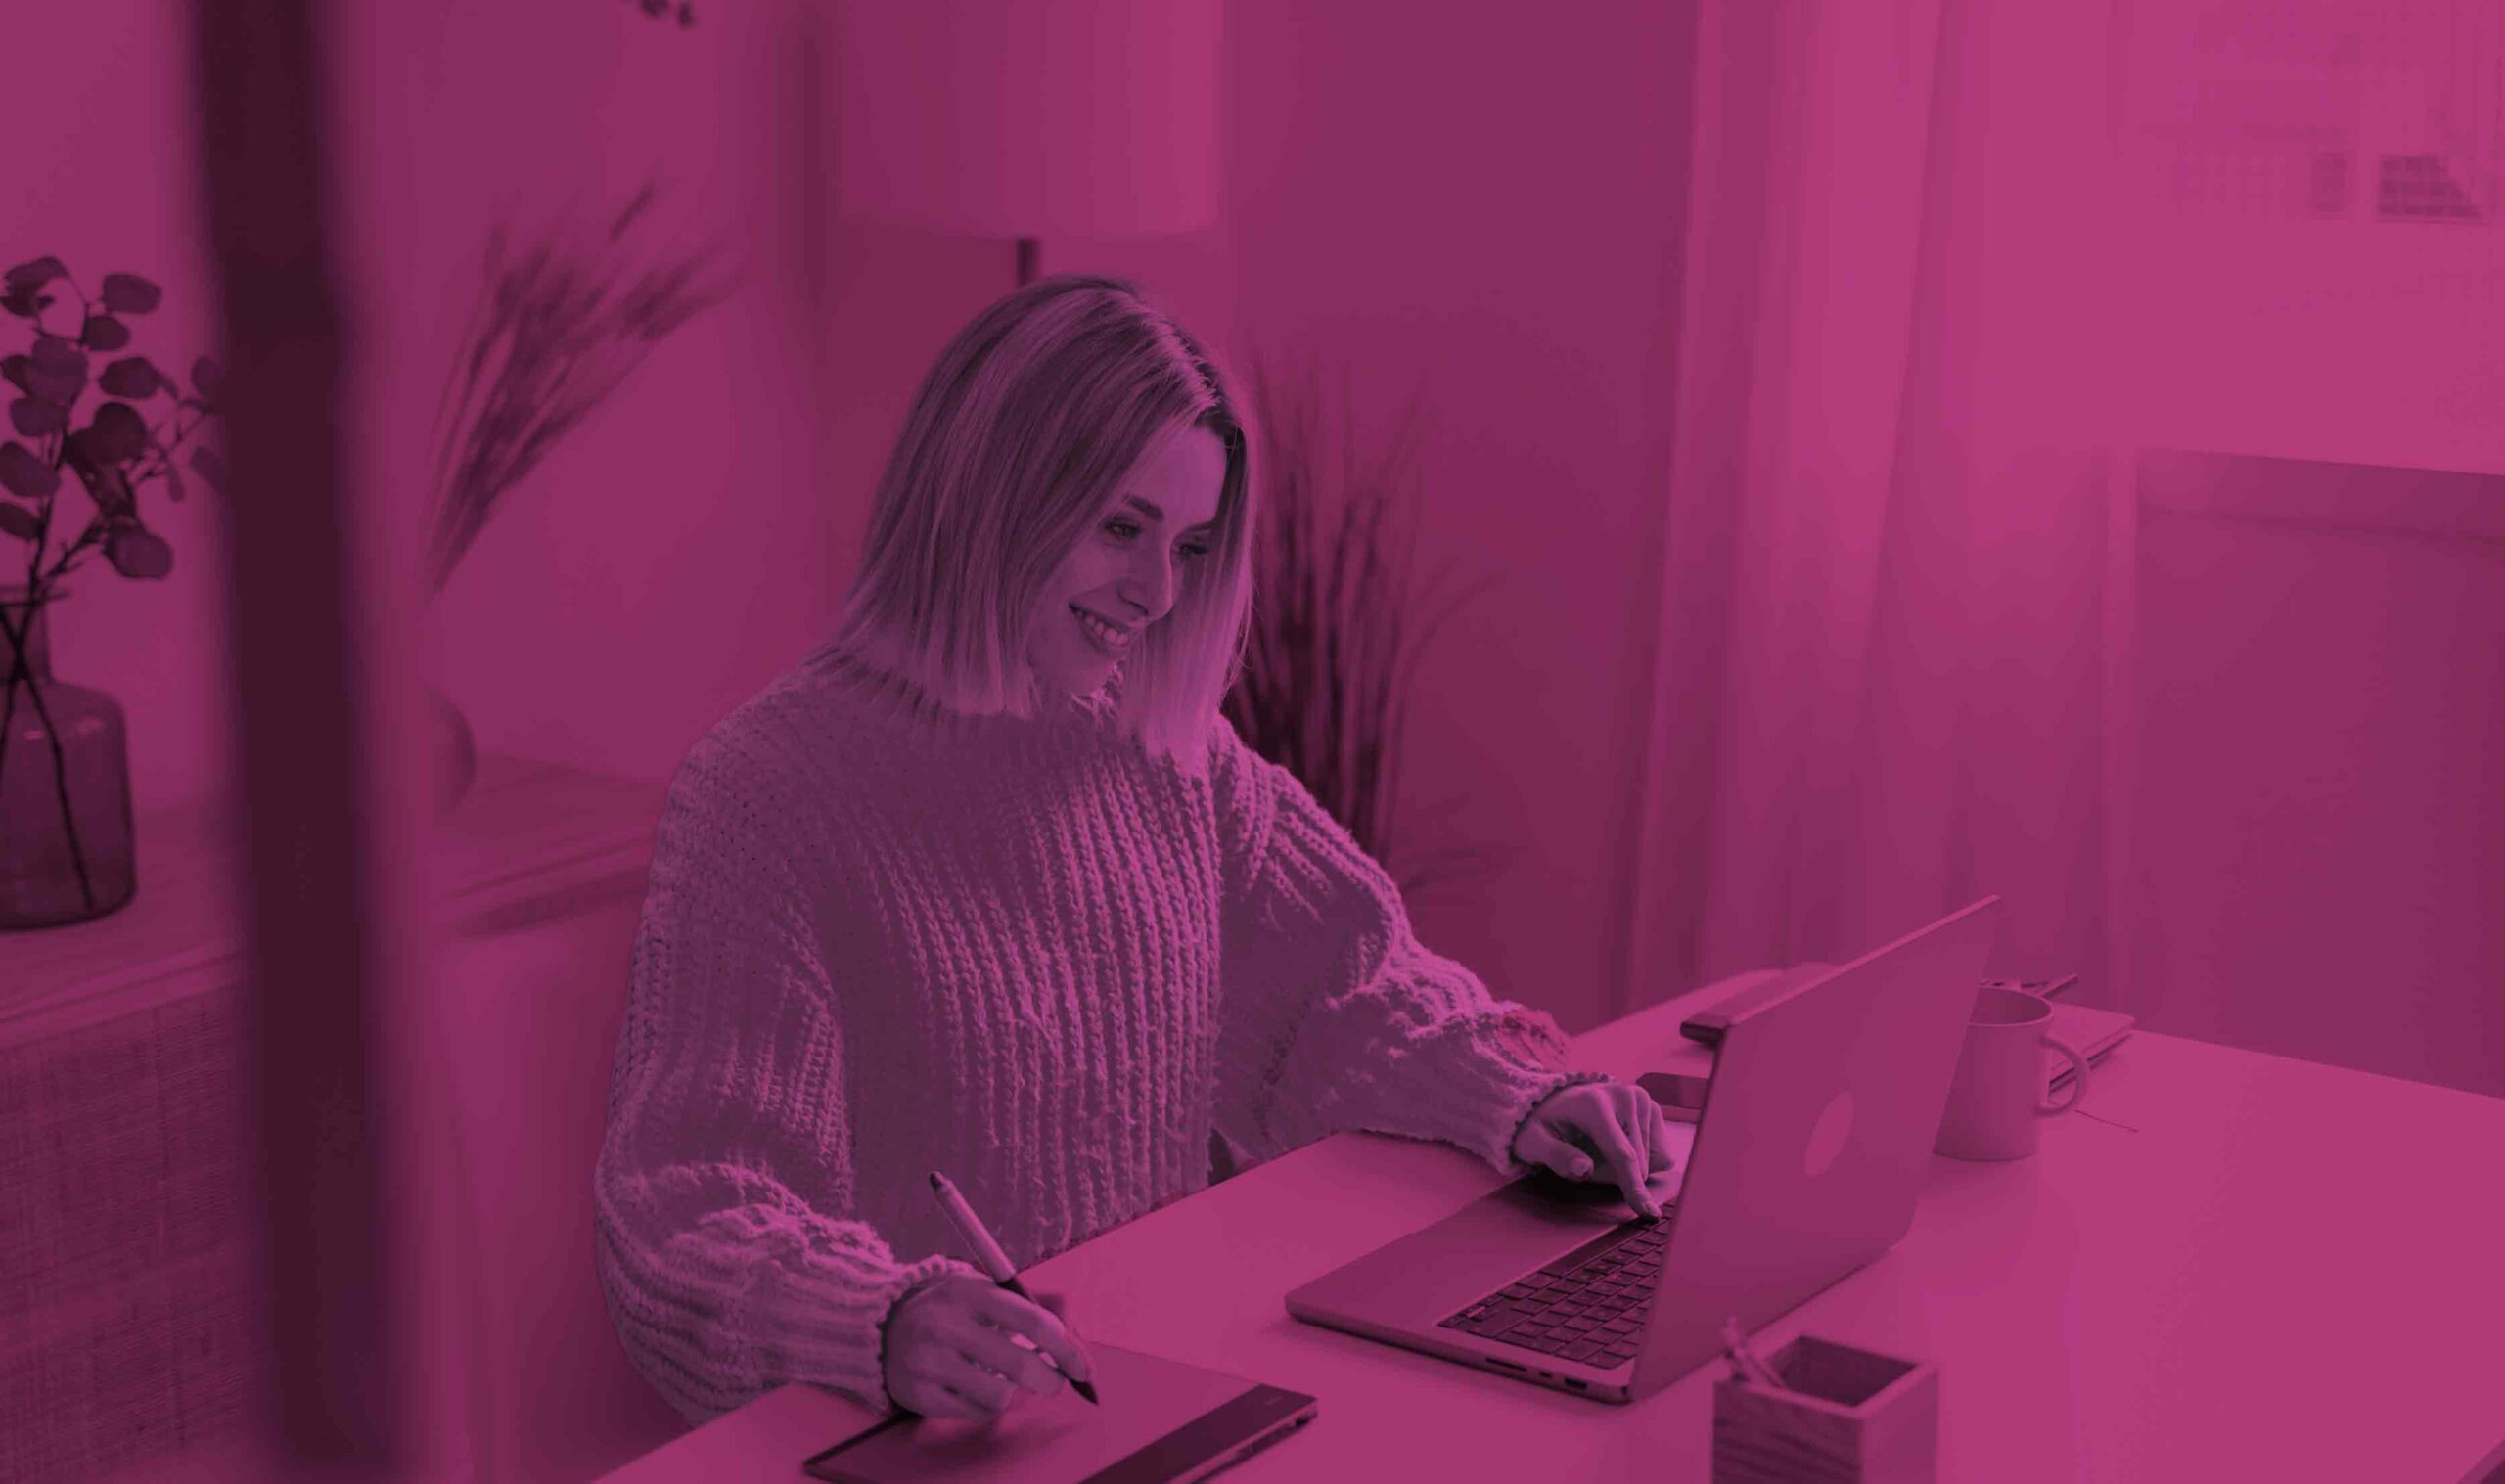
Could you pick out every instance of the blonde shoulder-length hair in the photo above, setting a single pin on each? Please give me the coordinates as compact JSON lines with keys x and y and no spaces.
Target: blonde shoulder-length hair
{"x":1016,"y":446}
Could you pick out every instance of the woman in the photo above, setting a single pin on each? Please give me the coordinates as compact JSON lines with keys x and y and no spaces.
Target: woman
{"x":988,"y":885}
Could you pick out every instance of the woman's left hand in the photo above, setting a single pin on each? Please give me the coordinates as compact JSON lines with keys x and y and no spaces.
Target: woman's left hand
{"x":1602,"y":1131}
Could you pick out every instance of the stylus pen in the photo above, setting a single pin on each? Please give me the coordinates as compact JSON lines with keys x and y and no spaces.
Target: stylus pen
{"x":1751,"y":1365}
{"x":990,"y":1258}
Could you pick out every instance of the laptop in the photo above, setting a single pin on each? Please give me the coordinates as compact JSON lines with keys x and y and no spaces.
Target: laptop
{"x":1809,"y":1151}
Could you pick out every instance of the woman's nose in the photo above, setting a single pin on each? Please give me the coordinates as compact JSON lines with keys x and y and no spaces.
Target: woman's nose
{"x":1148,"y":586}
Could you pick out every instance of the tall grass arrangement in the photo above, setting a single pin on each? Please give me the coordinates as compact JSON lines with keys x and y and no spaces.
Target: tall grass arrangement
{"x":1339,"y":622}
{"x":556,"y":326}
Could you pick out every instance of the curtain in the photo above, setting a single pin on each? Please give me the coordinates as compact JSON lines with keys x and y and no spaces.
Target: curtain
{"x":1878,"y":654}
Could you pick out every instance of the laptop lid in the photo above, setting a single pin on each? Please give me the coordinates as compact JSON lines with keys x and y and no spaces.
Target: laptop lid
{"x":1816,"y":1133}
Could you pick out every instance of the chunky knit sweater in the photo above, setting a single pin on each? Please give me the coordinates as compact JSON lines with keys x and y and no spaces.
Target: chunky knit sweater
{"x":881,"y":939}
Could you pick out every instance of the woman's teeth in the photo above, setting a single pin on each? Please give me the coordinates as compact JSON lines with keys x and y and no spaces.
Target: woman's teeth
{"x":1102,"y":632}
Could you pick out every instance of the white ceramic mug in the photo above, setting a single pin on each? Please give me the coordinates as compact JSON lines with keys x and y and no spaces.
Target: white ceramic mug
{"x":1998,"y":1092}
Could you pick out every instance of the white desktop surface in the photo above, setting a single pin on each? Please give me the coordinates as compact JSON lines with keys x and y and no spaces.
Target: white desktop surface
{"x":2290,"y":1271}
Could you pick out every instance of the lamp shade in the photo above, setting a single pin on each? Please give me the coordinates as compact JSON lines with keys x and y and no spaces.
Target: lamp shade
{"x":1027,"y":117}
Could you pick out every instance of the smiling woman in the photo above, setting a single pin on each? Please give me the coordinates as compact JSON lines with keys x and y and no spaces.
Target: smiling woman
{"x":989,"y":887}
{"x":1030,"y":492}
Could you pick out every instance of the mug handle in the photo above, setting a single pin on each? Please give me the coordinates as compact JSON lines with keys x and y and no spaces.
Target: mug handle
{"x":2078,"y":1078}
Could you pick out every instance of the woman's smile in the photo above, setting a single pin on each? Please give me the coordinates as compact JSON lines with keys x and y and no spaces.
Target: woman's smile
{"x":1108,"y":641}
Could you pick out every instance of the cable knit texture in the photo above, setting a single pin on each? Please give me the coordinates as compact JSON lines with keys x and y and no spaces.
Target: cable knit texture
{"x":881,"y":939}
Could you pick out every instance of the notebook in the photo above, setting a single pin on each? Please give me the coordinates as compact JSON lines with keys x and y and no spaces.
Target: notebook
{"x":2095,"y":1032}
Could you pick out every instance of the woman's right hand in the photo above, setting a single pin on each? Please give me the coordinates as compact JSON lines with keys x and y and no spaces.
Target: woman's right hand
{"x":950,"y":1351}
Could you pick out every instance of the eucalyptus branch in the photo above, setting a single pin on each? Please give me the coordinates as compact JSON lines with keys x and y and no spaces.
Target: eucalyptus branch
{"x":110,"y":455}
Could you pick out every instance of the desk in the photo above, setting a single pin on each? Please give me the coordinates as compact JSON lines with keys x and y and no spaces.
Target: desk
{"x":2232,"y":1291}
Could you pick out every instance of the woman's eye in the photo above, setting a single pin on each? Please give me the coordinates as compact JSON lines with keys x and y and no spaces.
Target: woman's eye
{"x":1127,"y":529}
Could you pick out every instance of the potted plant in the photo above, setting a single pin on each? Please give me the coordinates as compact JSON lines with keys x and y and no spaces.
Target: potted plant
{"x":1337,"y":630}
{"x":67,"y":852}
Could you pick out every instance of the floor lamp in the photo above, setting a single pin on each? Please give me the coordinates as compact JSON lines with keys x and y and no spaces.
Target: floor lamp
{"x":1024,"y":119}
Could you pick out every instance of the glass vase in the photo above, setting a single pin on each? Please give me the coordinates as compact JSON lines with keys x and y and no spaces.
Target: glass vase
{"x":65,"y":841}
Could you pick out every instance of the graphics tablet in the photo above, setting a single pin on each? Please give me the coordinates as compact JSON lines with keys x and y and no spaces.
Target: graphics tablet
{"x":1163,"y":1422}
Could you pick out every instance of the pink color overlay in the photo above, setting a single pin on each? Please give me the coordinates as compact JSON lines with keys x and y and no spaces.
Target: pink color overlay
{"x":1921,"y":450}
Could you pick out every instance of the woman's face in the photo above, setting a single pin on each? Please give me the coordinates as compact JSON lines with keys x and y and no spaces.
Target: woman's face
{"x":1126,"y":569}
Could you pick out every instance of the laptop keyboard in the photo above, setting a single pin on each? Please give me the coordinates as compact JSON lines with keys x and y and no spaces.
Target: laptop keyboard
{"x":1587,"y":1306}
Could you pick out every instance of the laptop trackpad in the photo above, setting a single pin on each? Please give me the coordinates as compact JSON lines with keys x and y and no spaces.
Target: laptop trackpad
{"x":1427,"y":1275}
{"x":1544,"y":1188}
{"x":1557,"y":1189}
{"x":1519,"y":1224}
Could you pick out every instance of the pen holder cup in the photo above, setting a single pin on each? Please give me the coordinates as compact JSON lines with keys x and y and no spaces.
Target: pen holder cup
{"x":1852,"y":1418}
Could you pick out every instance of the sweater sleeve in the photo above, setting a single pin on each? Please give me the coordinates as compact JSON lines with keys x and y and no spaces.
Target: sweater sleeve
{"x":1335,"y":1015}
{"x":724,"y":1185}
